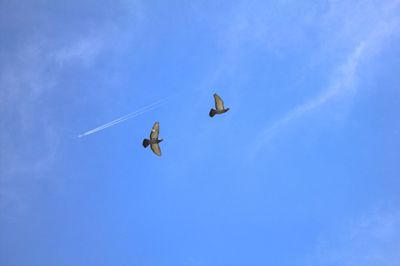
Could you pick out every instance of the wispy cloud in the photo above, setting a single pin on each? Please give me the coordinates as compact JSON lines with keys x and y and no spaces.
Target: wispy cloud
{"x":372,"y":239}
{"x":30,"y":71}
{"x":83,"y":51}
{"x":29,"y":139}
{"x":344,"y":83}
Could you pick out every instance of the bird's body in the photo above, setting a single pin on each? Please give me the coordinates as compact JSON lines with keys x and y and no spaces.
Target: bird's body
{"x":219,"y":106}
{"x":147,"y":142}
{"x":217,"y":112}
{"x":153,"y":141}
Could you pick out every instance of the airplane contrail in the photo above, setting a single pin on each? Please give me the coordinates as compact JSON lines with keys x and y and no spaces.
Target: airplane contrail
{"x":136,"y":113}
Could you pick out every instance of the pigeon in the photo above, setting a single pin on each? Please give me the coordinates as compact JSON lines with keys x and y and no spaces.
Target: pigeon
{"x":153,"y":141}
{"x":219,"y":106}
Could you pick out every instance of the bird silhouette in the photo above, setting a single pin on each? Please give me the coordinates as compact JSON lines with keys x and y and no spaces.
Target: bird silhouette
{"x":153,"y":141}
{"x":219,"y":106}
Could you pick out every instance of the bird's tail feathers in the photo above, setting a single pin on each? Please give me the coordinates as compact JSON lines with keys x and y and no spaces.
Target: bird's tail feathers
{"x":146,"y":143}
{"x":212,"y":112}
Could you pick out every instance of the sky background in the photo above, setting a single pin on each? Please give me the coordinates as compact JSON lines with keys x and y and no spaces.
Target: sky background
{"x":303,"y":170}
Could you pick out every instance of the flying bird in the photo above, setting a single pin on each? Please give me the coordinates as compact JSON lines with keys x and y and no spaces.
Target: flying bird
{"x":219,"y":106}
{"x":153,"y":141}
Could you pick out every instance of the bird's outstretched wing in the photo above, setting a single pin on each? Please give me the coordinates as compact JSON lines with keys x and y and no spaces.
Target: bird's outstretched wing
{"x":219,"y":103}
{"x":155,"y":131}
{"x":156,"y":149}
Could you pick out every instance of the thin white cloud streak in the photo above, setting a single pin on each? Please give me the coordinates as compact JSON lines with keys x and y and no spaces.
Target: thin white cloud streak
{"x":344,"y":83}
{"x":346,"y":80}
{"x":136,"y":113}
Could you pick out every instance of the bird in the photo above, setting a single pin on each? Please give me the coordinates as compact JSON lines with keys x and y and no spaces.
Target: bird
{"x":219,"y":106}
{"x":153,"y":141}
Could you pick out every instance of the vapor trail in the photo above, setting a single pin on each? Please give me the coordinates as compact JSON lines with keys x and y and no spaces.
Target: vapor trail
{"x":136,"y":113}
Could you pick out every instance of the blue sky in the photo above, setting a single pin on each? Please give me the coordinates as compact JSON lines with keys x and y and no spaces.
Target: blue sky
{"x":303,"y":169}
